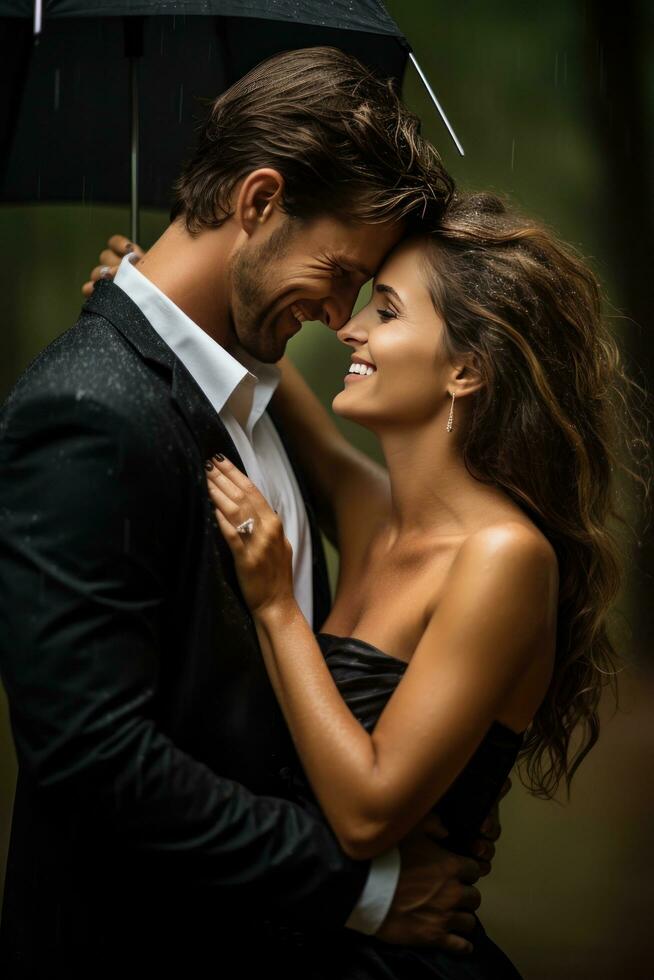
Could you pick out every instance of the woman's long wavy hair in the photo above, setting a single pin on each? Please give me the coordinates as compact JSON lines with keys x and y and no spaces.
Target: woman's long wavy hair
{"x":557,"y":419}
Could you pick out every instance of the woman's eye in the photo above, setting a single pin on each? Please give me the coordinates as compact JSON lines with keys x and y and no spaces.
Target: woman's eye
{"x":387,"y":314}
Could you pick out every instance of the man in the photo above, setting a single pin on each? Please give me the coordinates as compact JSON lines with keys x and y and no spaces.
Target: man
{"x":139,"y":703}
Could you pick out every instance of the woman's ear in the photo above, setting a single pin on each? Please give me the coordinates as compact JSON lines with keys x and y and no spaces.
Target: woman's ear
{"x":466,"y":377}
{"x":260,"y":193}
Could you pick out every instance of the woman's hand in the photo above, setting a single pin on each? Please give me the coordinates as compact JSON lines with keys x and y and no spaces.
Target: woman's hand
{"x":117,"y":247}
{"x":263,"y":557}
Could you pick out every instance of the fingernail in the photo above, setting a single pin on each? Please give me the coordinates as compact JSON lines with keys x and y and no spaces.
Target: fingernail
{"x":219,"y":457}
{"x":105,"y":272}
{"x":128,"y":248}
{"x":208,"y":465}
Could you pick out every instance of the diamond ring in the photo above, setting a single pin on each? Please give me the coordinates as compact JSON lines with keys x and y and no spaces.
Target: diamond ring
{"x":246,"y":527}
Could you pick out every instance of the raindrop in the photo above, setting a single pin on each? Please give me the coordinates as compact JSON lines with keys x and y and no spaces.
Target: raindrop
{"x":601,"y":71}
{"x":181,"y":100}
{"x":57,"y":87}
{"x":513,"y":153}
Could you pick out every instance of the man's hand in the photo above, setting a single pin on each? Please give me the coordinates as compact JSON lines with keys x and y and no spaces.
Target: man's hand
{"x":435,"y":895}
{"x":483,"y":847}
{"x":110,"y":258}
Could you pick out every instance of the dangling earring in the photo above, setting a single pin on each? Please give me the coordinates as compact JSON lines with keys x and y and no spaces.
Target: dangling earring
{"x":450,"y":419}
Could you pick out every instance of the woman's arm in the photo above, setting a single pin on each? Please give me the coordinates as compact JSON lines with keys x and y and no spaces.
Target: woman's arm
{"x":373,"y":788}
{"x":351,"y":490}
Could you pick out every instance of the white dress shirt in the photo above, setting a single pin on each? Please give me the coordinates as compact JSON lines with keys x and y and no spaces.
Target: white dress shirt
{"x":240,"y":390}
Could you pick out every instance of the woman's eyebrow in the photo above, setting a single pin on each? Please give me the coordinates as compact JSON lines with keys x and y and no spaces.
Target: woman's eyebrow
{"x":380,"y":287}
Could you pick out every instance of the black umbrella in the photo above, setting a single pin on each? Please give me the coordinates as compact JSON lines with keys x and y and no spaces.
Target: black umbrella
{"x":64,"y":125}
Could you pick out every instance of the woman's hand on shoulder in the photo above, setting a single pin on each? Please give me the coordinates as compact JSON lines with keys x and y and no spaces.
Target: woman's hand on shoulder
{"x":110,"y":258}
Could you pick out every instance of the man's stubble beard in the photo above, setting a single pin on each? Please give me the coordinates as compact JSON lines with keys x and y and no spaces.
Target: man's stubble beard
{"x":252,"y":273}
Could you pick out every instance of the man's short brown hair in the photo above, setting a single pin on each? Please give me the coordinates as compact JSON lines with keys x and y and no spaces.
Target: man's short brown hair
{"x":339,"y":135}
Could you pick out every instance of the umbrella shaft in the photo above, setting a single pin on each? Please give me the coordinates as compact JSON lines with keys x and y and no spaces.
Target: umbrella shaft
{"x":135,"y":232}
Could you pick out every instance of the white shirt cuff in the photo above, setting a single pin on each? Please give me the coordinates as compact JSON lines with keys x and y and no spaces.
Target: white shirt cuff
{"x":377,"y":895}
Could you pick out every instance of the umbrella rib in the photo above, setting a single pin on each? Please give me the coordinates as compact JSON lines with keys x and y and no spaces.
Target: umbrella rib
{"x":441,"y":111}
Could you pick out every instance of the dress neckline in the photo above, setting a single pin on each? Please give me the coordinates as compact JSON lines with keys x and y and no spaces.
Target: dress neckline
{"x":518,"y":736}
{"x":364,"y":643}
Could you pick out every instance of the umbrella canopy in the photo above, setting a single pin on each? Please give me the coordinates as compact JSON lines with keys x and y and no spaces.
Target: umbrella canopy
{"x":114,"y":74}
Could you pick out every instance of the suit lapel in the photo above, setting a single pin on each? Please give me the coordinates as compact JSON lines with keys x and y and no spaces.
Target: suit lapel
{"x":201,"y":417}
{"x":204,"y":424}
{"x":112,"y":304}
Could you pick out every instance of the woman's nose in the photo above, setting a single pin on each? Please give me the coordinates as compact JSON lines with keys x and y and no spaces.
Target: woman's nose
{"x":353,"y":331}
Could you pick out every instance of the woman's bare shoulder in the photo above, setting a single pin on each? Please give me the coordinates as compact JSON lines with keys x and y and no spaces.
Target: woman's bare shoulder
{"x":511,"y":537}
{"x":499,"y":568}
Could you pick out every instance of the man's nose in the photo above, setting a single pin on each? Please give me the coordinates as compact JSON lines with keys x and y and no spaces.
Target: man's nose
{"x":336,"y":311}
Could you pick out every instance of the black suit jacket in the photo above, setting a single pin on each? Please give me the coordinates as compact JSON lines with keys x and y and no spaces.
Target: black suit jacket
{"x":140,"y":705}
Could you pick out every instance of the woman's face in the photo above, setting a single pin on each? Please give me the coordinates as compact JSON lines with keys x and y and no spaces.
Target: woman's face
{"x":399,"y":336}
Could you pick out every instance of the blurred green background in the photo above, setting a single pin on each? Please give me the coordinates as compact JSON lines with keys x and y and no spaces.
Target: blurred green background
{"x":554,"y":105}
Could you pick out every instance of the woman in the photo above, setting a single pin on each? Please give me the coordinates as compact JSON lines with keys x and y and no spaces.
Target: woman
{"x":476,"y":569}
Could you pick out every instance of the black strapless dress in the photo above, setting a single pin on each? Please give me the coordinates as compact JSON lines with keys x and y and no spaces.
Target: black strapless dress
{"x":366,"y":678}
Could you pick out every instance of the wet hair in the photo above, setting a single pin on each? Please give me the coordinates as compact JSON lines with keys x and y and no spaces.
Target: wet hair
{"x":556,"y":420}
{"x":339,"y":135}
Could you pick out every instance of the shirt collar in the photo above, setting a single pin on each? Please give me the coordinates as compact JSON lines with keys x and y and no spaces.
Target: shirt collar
{"x":241,"y":383}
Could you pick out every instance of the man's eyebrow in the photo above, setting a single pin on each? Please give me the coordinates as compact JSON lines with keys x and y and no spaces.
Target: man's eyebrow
{"x":380,"y":287}
{"x":357,"y":266}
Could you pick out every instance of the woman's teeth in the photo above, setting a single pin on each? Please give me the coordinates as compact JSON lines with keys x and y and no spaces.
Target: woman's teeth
{"x":361,"y":369}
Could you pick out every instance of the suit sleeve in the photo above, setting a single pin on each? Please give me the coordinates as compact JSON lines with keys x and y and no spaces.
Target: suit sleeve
{"x":86,"y":518}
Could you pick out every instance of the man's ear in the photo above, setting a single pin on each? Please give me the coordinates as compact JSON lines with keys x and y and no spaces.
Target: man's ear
{"x":259,"y":195}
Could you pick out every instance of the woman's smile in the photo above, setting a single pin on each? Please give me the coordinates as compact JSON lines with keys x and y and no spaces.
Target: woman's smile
{"x":359,"y":369}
